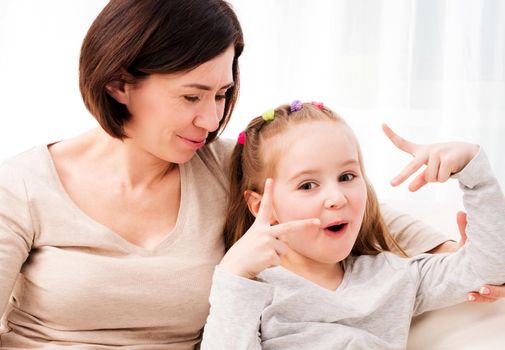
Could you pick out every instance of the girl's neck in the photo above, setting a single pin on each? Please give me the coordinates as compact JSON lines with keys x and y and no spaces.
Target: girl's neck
{"x":326,"y":275}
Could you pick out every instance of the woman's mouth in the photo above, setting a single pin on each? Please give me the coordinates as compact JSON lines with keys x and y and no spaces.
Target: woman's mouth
{"x":193,"y":143}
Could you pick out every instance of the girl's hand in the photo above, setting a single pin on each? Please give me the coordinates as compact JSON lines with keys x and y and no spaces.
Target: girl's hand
{"x":487,"y":294}
{"x":441,"y":159}
{"x":260,"y":248}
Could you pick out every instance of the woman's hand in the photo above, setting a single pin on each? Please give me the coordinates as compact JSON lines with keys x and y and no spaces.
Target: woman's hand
{"x":452,"y":246}
{"x":441,"y":159}
{"x":260,"y":248}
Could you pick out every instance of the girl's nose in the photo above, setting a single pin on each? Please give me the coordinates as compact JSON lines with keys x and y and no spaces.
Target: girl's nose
{"x":337,"y":200}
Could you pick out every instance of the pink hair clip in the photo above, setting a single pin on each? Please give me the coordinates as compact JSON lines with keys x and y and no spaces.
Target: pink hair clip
{"x":296,"y":105}
{"x":319,"y":105}
{"x":241,"y":138}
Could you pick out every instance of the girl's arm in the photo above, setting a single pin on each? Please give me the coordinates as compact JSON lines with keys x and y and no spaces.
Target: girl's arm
{"x":445,"y":278}
{"x":237,"y":297}
{"x":443,"y":160}
{"x":236,"y":304}
{"x":16,"y":231}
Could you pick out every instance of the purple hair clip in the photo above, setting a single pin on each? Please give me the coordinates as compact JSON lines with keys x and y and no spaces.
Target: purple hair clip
{"x":241,"y":138}
{"x":296,"y":105}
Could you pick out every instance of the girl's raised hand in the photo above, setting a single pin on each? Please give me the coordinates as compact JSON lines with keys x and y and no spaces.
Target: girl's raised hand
{"x":259,"y":248}
{"x":441,"y":159}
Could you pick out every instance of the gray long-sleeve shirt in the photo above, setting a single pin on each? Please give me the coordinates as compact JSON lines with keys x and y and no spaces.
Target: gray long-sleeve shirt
{"x":373,"y":306}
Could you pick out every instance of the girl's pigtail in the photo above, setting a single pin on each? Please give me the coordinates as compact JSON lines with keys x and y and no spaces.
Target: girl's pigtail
{"x":238,"y":216}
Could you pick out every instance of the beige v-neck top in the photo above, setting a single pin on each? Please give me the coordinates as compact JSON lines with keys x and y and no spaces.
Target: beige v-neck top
{"x":73,"y":281}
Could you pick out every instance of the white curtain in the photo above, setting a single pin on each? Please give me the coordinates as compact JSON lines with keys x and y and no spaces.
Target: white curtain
{"x":432,"y":69}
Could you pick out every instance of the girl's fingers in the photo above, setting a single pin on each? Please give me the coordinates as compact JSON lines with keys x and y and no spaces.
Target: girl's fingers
{"x":280,"y":247}
{"x":432,"y":169}
{"x":265,"y":210}
{"x":418,"y":182}
{"x":298,"y":226}
{"x":399,"y":141}
{"x":477,"y":298}
{"x":493,"y":292}
{"x":444,"y":173}
{"x":410,"y":169}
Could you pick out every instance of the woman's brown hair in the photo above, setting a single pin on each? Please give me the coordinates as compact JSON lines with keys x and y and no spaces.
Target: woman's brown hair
{"x":249,"y":169}
{"x":131,"y":39}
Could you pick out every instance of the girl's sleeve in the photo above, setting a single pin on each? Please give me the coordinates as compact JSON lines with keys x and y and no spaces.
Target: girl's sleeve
{"x":412,"y":235}
{"x":16,"y":231}
{"x":236,"y":305}
{"x":445,"y":279}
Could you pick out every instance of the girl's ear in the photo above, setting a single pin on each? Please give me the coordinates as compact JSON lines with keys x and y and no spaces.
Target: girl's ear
{"x":117,"y":90}
{"x":253,"y":200}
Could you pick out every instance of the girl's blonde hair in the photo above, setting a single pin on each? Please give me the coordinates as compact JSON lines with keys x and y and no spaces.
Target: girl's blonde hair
{"x":249,"y":169}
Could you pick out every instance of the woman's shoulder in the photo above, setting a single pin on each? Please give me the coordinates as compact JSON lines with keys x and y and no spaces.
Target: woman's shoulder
{"x":27,"y":163}
{"x":217,"y":156}
{"x":219,"y":150}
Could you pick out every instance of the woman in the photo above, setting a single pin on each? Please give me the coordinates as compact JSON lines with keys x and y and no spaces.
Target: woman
{"x":101,"y":240}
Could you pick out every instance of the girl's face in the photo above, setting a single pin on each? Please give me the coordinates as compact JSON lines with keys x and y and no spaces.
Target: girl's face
{"x":172,"y":114}
{"x":318,"y":176}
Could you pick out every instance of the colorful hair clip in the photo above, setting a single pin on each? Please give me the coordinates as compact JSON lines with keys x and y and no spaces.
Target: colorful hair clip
{"x":296,"y":105}
{"x":268,"y":115}
{"x":241,"y":138}
{"x":319,"y":105}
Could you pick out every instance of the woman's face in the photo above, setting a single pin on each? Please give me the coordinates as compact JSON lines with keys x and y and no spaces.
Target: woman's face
{"x":172,"y":114}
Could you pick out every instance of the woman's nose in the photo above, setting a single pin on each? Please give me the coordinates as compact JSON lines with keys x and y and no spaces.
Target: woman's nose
{"x":208,"y":118}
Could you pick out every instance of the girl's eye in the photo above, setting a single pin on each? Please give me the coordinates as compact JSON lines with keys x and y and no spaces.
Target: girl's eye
{"x":220,"y":97}
{"x":190,"y":98}
{"x":307,"y":186}
{"x":346,"y":177}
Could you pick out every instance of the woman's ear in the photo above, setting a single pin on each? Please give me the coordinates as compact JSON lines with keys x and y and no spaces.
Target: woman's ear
{"x":117,"y":90}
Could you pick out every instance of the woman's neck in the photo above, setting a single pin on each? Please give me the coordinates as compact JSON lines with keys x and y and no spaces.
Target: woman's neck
{"x":326,"y":275}
{"x":131,"y":166}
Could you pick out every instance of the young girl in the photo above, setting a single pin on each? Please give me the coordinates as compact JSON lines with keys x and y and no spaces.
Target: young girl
{"x":337,"y":286}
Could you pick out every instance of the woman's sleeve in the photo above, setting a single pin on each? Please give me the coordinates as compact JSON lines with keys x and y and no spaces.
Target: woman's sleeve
{"x":16,"y":231}
{"x":236,"y":305}
{"x":414,"y":236}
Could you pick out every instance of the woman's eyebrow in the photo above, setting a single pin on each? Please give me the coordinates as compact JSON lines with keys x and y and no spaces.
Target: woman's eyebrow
{"x":208,"y":88}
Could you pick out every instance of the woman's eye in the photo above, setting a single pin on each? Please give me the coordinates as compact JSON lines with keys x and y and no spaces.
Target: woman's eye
{"x":307,"y":186}
{"x":192,"y":98}
{"x":220,"y":97}
{"x":346,"y":177}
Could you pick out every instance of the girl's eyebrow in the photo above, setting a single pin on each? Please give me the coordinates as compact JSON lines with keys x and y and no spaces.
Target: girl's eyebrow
{"x":208,"y":88}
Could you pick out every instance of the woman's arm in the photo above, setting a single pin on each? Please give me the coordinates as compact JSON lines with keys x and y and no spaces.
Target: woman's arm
{"x":16,"y":231}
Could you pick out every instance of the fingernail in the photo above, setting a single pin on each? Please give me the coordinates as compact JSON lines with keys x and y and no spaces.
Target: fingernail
{"x":316,"y":222}
{"x":471,"y":298}
{"x":484,"y":291}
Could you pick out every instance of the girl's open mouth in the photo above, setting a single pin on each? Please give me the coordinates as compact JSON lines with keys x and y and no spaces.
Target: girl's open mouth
{"x":336,"y":229}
